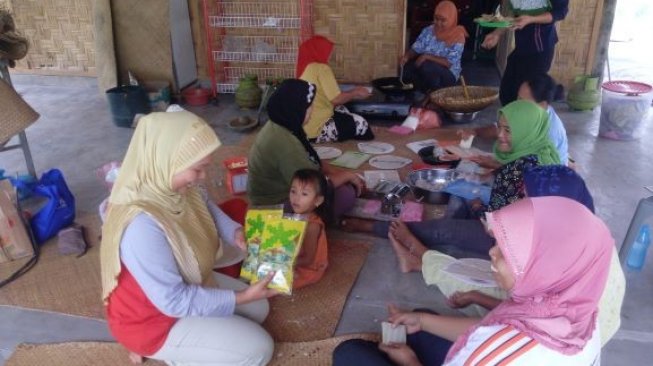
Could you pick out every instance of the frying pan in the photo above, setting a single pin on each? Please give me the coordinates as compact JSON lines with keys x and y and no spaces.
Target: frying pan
{"x":391,"y":86}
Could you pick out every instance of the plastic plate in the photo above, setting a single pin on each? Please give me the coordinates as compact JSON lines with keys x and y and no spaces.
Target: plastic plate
{"x":486,"y":24}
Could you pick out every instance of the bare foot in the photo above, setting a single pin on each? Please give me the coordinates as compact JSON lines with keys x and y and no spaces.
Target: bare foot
{"x":136,"y":358}
{"x":407,"y":261}
{"x":406,"y":238}
{"x":353,"y":225}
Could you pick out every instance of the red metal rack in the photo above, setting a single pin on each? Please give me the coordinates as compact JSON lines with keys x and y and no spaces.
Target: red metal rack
{"x":254,"y":37}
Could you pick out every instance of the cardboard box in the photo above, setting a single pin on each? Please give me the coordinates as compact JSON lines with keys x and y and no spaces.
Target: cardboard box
{"x":15,"y":243}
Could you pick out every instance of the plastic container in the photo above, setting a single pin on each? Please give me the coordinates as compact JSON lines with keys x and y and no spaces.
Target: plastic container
{"x":126,"y":102}
{"x":637,"y":253}
{"x":158,"y":94}
{"x":624,"y":109}
{"x":643,"y":215}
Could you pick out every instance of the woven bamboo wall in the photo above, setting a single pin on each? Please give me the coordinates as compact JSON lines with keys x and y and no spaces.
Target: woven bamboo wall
{"x":142,"y":39}
{"x":368,"y":36}
{"x":60,"y":34}
{"x":578,"y":35}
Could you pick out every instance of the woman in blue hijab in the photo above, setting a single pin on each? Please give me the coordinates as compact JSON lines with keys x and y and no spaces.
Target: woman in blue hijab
{"x":557,"y":180}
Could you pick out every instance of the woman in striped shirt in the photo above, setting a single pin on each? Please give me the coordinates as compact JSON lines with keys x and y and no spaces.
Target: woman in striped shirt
{"x":552,"y":255}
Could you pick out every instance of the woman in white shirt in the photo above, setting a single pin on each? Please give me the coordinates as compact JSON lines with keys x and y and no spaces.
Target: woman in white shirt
{"x":552,"y":256}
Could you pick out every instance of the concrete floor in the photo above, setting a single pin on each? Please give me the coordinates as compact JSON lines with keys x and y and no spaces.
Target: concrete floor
{"x":75,"y":134}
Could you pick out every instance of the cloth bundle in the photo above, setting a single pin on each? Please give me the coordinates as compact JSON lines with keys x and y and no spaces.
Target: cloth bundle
{"x":13,"y":46}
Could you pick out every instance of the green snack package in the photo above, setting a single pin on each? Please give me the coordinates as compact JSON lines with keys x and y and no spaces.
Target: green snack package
{"x":255,"y":221}
{"x":282,"y":240}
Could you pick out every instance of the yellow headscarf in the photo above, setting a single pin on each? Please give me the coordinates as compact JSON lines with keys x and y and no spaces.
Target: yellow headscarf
{"x":163,"y":145}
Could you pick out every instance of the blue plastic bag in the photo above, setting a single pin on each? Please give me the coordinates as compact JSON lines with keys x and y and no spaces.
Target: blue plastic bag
{"x":469,"y":190}
{"x":59,"y":211}
{"x":25,"y":185}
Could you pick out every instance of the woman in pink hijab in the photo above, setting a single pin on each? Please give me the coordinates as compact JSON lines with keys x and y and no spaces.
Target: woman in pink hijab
{"x":552,"y":255}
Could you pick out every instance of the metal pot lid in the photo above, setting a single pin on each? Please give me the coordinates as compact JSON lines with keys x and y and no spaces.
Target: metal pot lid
{"x":627,"y":87}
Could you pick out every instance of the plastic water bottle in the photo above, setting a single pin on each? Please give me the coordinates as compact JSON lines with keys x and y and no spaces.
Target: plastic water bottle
{"x":637,"y":253}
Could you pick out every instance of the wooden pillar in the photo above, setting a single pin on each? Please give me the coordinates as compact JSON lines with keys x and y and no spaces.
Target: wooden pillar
{"x":199,"y":38}
{"x":603,"y":42}
{"x":105,"y":56}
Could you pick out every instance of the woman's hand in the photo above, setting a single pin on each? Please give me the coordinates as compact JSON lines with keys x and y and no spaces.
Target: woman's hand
{"x":491,"y":40}
{"x":521,"y":21}
{"x":400,"y":354}
{"x":239,"y":239}
{"x":257,"y":291}
{"x":486,"y":161}
{"x":357,"y":182}
{"x":466,"y":133}
{"x":475,"y":204}
{"x":412,"y":320}
{"x":361,"y":92}
{"x":461,"y":299}
{"x":404,"y":59}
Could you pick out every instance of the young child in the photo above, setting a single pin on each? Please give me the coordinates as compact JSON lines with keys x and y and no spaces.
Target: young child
{"x":308,"y":192}
{"x":540,"y":88}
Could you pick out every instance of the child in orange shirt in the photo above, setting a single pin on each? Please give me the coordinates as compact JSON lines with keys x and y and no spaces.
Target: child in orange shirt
{"x":308,"y":191}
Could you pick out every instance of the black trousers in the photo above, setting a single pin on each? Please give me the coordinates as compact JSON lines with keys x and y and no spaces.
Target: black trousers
{"x":428,"y":76}
{"x":431,"y":350}
{"x":519,"y":68}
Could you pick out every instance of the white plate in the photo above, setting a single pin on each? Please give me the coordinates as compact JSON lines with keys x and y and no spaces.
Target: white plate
{"x":375,"y":147}
{"x":327,"y":152}
{"x":389,"y":162}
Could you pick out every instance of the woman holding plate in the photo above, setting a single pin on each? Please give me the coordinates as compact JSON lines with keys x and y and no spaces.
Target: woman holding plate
{"x":535,"y":40}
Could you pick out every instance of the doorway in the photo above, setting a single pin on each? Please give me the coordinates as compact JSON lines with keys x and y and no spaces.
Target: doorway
{"x":630,"y":52}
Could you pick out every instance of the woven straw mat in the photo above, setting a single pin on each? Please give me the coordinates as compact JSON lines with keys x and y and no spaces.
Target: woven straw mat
{"x":47,"y":286}
{"x":313,"y":312}
{"x":316,"y":353}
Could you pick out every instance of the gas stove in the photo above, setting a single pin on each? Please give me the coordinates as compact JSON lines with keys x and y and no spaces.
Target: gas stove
{"x":381,"y":107}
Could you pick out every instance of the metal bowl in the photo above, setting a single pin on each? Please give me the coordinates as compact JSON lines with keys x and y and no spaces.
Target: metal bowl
{"x":242,"y":123}
{"x":427,"y":184}
{"x":462,"y":117}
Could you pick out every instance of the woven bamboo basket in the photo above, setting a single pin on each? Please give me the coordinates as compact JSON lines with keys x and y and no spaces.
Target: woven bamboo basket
{"x":16,"y":113}
{"x":453,"y":98}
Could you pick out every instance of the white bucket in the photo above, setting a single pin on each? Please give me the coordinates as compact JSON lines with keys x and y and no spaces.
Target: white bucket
{"x":623,"y":116}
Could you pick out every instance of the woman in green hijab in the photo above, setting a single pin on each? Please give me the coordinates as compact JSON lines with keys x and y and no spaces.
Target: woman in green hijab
{"x":528,"y":127}
{"x":523,"y":142}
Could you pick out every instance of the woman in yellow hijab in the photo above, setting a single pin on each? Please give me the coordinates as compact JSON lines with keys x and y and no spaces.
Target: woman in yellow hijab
{"x":160,"y":242}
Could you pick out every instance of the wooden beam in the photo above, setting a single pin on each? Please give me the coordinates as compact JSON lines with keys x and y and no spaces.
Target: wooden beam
{"x":197,"y":27}
{"x":591,"y":53}
{"x":105,"y":55}
{"x":603,"y":42}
